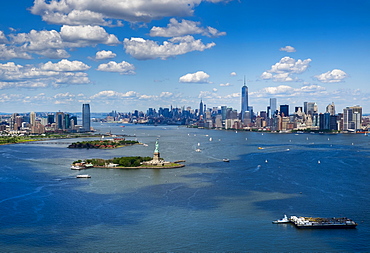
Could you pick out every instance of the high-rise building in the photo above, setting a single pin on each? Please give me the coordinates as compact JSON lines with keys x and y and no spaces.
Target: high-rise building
{"x":59,"y":120}
{"x":305,"y":107}
{"x":51,"y":119}
{"x":244,"y":102}
{"x":331,"y":108}
{"x":33,"y":118}
{"x":352,"y":117}
{"x":284,"y":110}
{"x":86,"y":117}
{"x":273,"y":107}
{"x":324,"y":121}
{"x":311,"y":108}
{"x":201,"y":108}
{"x":223,"y":111}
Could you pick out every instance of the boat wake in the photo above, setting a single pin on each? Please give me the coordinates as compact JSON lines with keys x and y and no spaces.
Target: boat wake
{"x":257,"y":168}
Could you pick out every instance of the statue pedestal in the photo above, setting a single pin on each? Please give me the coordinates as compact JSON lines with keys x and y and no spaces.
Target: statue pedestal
{"x":156,"y":157}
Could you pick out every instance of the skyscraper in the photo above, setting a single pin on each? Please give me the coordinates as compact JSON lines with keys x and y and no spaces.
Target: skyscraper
{"x":284,"y":110}
{"x":59,"y":120}
{"x":331,"y":109}
{"x":244,"y":102}
{"x":86,"y":117}
{"x":33,"y":118}
{"x":201,"y":108}
{"x":273,"y":107}
{"x":352,"y":118}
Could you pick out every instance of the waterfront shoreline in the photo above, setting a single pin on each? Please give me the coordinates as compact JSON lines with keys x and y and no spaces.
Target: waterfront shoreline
{"x":143,"y":167}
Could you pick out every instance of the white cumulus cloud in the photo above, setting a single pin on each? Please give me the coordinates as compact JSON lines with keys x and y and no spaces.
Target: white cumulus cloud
{"x":282,"y":71}
{"x":3,"y":39}
{"x":123,"y":67}
{"x":31,"y":76}
{"x":79,"y":36}
{"x":225,"y":84}
{"x":334,"y":76}
{"x":142,"y":49}
{"x":288,"y":49}
{"x":10,"y":52}
{"x":46,"y":43}
{"x":103,"y":12}
{"x":185,"y":27}
{"x":288,"y":91}
{"x":233,"y":74}
{"x":102,"y":55}
{"x":198,"y":77}
{"x":110,"y":94}
{"x":65,"y":65}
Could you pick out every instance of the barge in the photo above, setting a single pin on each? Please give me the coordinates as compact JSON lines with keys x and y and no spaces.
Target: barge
{"x":310,"y":222}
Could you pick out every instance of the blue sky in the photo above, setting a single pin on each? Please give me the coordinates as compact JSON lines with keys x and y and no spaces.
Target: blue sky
{"x":125,"y":55}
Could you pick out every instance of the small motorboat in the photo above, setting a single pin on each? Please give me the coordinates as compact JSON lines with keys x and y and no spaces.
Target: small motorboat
{"x":226,"y":160}
{"x":282,"y":221}
{"x":83,"y":176}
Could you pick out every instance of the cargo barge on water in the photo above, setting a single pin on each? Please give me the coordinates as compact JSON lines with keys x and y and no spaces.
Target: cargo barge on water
{"x":311,"y":222}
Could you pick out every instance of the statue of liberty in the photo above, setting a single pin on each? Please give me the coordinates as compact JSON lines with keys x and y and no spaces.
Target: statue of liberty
{"x":156,"y":150}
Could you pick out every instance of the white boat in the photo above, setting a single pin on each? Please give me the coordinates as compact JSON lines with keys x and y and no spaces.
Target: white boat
{"x":282,"y":221}
{"x":226,"y":160}
{"x":83,"y":176}
{"x":197,"y":150}
{"x":76,"y":167}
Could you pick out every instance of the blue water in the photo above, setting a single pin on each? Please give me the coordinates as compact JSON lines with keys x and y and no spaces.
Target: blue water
{"x":209,"y":205}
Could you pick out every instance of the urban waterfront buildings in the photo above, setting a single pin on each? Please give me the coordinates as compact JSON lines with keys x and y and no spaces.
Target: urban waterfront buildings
{"x":39,"y":123}
{"x":275,"y":119}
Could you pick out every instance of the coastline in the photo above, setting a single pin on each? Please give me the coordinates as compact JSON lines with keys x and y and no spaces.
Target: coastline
{"x":142,"y":167}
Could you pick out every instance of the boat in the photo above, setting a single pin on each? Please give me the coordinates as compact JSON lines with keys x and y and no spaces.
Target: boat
{"x":83,"y":176}
{"x":282,"y":221}
{"x":197,"y":150}
{"x":260,"y":148}
{"x":310,"y":222}
{"x":226,"y":160}
{"x":77,"y":167}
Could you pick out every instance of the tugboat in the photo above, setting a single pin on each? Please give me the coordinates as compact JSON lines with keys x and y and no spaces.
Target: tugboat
{"x":282,"y":221}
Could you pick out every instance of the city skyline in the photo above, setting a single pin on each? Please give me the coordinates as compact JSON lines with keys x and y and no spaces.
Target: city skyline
{"x":57,"y":55}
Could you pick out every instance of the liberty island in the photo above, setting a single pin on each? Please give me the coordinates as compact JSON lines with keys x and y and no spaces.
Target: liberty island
{"x":135,"y":162}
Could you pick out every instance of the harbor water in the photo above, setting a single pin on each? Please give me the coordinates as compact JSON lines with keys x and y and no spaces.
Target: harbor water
{"x":207,"y":206}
